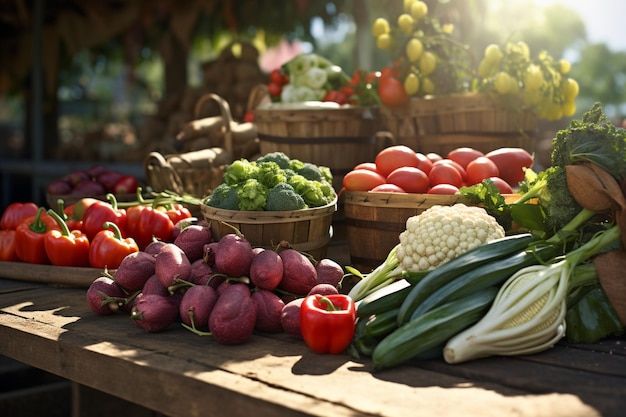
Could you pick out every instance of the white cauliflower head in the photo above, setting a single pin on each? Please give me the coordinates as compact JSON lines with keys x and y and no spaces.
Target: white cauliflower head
{"x":442,"y":233}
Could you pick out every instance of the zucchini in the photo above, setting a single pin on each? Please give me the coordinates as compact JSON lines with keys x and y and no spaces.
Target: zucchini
{"x":494,"y":273}
{"x":484,"y":254}
{"x":380,"y":325}
{"x":431,"y":330}
{"x":383,"y":299}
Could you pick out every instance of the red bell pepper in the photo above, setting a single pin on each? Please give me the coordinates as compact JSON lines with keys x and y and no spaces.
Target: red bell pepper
{"x":15,"y":213}
{"x":327,"y":322}
{"x":108,"y":247}
{"x":7,"y":246}
{"x":30,"y":236}
{"x":146,"y":223}
{"x":100,"y":212}
{"x":65,"y":247}
{"x":177,"y":212}
{"x":67,"y":214}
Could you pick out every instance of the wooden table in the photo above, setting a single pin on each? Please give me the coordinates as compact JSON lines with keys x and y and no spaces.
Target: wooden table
{"x":178,"y":373}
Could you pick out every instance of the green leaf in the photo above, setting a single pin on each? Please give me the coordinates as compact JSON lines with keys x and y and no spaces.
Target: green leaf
{"x":591,"y":317}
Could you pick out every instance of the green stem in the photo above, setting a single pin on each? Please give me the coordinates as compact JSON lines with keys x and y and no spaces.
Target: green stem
{"x":65,"y":231}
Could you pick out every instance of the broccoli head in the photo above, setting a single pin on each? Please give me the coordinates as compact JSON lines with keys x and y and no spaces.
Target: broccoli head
{"x":296,"y":165}
{"x":252,"y":195}
{"x":224,"y":197}
{"x":314,"y":193}
{"x":240,"y":171}
{"x":278,"y":157}
{"x":270,"y":174}
{"x":284,"y":198}
{"x":311,"y":172}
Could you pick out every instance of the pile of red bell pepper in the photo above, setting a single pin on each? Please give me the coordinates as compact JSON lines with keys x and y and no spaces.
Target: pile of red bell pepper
{"x":89,"y":233}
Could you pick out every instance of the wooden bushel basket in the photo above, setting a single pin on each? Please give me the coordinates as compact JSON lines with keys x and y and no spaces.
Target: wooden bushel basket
{"x":375,"y":220}
{"x":321,"y":133}
{"x":307,"y":230}
{"x":481,"y":121}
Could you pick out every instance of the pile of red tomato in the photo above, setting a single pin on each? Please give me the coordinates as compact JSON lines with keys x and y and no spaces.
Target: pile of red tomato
{"x":399,"y":168}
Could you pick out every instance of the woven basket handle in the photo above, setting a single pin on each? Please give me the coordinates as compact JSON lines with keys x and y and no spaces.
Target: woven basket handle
{"x":258,"y":95}
{"x":226,"y":115}
{"x":157,"y":168}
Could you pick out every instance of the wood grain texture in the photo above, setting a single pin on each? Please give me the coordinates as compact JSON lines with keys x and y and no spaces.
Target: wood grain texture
{"x":178,"y":373}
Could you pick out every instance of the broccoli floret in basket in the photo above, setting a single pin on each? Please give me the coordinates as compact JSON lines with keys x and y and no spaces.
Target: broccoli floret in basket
{"x":224,"y":197}
{"x":284,"y":198}
{"x":279,"y":157}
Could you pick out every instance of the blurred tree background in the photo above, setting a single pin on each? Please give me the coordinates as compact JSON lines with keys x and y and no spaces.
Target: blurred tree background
{"x":111,"y":67}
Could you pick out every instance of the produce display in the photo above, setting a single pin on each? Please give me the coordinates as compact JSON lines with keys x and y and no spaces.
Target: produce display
{"x":547,"y":279}
{"x":428,"y":60}
{"x":273,"y":182}
{"x":399,"y":168}
{"x":227,"y":289}
{"x":90,"y":232}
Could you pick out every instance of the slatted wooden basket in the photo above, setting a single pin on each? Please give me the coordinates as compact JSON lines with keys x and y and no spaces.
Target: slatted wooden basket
{"x":482,"y":121}
{"x":338,"y":137}
{"x":307,"y":230}
{"x":375,"y":220}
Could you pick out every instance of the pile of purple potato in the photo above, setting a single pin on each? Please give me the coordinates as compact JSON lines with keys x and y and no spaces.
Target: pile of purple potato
{"x":227,"y":288}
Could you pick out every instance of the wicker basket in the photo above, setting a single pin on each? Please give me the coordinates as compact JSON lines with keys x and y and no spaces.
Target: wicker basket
{"x":440,"y":124}
{"x":320,"y":133}
{"x":195,"y":173}
{"x":307,"y":230}
{"x":375,"y":220}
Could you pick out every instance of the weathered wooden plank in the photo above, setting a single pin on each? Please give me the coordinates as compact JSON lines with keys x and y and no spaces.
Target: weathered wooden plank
{"x":179,"y":373}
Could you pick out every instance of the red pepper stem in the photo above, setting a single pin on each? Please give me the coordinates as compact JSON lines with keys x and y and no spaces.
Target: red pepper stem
{"x":112,"y":200}
{"x":65,"y":231}
{"x":61,"y":209}
{"x":116,"y":230}
{"x":327,"y":304}
{"x":38,"y":226}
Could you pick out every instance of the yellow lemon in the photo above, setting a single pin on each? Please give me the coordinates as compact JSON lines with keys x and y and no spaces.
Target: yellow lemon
{"x":447,"y":28}
{"x":407,"y":5}
{"x":570,"y":89}
{"x":486,"y":69}
{"x":380,"y":26}
{"x":502,"y":83}
{"x":418,"y":10}
{"x":383,"y":41}
{"x":428,"y":63}
{"x":564,"y":66}
{"x":428,"y":87}
{"x":414,"y":49}
{"x":568,"y":108}
{"x":533,"y":77}
{"x":405,"y":23}
{"x":411,"y":84}
{"x":493,"y":54}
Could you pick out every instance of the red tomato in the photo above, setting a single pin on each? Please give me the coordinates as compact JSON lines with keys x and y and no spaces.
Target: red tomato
{"x":410,"y":179}
{"x":502,"y":185}
{"x":481,"y":168}
{"x":366,"y":165}
{"x":274,"y":89}
{"x":424,"y":164}
{"x":387,"y":188}
{"x":511,"y":163}
{"x":464,"y":156}
{"x":445,"y":174}
{"x":447,"y":189}
{"x":277,"y":77}
{"x":391,"y":91}
{"x":393,"y":157}
{"x":455,"y":165}
{"x":433,"y":156}
{"x":362,"y":180}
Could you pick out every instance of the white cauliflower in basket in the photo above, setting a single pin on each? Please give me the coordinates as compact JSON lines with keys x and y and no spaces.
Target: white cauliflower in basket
{"x":442,"y":233}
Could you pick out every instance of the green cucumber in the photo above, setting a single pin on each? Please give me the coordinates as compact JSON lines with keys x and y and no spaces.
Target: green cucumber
{"x":431,"y":330}
{"x":380,"y":325}
{"x":494,"y":273}
{"x":440,"y":276}
{"x":383,"y":299}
